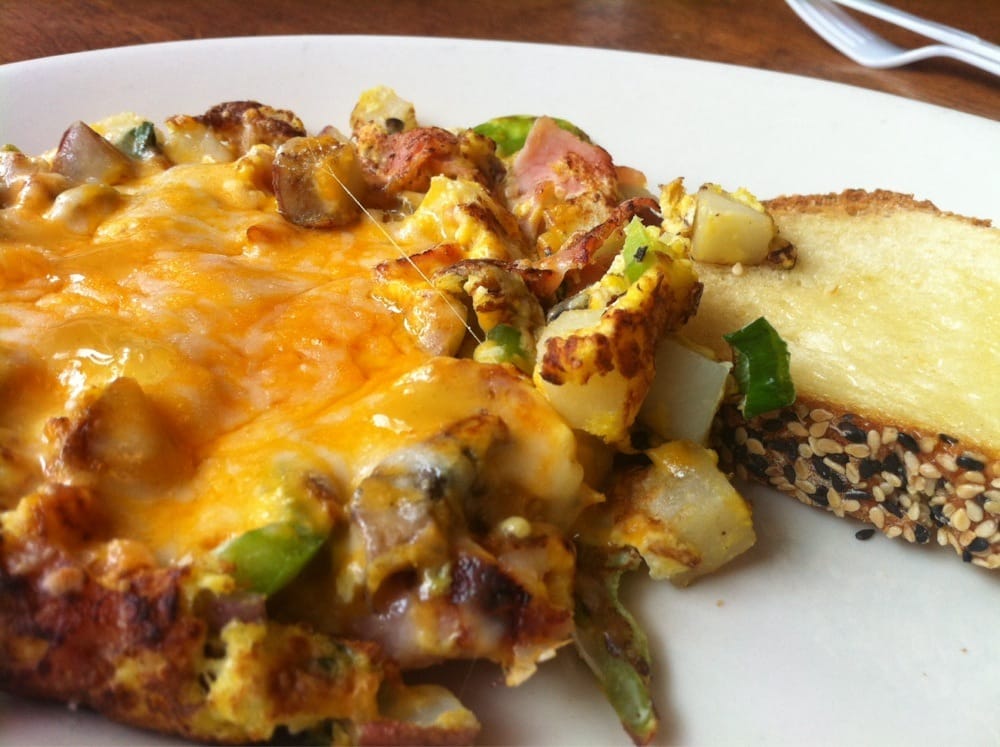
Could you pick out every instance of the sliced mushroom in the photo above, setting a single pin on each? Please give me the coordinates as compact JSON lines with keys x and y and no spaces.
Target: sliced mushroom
{"x":318,"y":182}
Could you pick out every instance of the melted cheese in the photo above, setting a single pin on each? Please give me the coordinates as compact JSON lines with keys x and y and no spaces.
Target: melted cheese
{"x":261,"y":345}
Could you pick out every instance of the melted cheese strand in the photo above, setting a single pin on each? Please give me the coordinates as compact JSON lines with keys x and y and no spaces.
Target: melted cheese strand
{"x":404,"y":255}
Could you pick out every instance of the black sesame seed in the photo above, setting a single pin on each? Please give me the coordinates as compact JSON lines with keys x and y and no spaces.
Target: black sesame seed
{"x":864,"y":534}
{"x":838,"y":482}
{"x":820,"y":496}
{"x":979,"y":544}
{"x":857,"y":495}
{"x":909,"y":442}
{"x":840,"y":458}
{"x":789,"y":473}
{"x":772,"y":425}
{"x":921,"y":534}
{"x":893,"y":508}
{"x":822,"y":469}
{"x":966,"y":556}
{"x":787,"y":447}
{"x":852,"y":433}
{"x":894,"y":465}
{"x":868,"y":467}
{"x":945,"y":438}
{"x":757,"y":465}
{"x":967,"y":462}
{"x":938,"y":515}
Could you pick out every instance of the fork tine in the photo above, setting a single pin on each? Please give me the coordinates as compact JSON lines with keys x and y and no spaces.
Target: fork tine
{"x":858,"y":42}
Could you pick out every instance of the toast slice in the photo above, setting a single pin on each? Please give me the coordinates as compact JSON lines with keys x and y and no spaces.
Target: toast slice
{"x":892,"y":319}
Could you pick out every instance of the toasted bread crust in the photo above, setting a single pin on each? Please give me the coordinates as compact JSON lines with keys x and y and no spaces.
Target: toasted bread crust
{"x":860,"y":202}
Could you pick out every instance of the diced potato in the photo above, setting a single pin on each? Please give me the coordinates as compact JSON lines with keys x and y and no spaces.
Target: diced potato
{"x":383,"y":107}
{"x":186,"y":140}
{"x":681,"y":514}
{"x":685,"y":394}
{"x":728,"y":230}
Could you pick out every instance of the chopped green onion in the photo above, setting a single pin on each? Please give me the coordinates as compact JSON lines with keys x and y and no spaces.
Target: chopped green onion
{"x":508,"y":346}
{"x":268,"y":558}
{"x":639,"y":249}
{"x":140,"y":141}
{"x":509,"y":133}
{"x":761,"y":367}
{"x":610,"y":640}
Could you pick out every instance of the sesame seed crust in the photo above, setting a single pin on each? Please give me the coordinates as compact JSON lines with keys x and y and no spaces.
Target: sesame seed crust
{"x":923,"y":487}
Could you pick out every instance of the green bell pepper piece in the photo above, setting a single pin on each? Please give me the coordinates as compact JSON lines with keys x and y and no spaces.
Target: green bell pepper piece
{"x":266,"y":559}
{"x":761,"y":365}
{"x":510,"y":132}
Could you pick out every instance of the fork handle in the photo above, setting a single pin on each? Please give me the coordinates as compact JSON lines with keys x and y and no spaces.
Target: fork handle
{"x":931,"y":29}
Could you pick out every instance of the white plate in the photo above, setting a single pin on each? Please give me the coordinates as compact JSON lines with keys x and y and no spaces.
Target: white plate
{"x":813,"y":637}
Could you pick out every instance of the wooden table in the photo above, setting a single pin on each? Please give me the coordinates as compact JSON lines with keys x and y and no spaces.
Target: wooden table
{"x":757,"y":33}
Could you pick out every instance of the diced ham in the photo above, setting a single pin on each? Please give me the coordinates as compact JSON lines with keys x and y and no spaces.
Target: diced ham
{"x":554,"y":155}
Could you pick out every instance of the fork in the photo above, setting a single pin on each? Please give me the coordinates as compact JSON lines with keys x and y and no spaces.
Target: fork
{"x":864,"y":46}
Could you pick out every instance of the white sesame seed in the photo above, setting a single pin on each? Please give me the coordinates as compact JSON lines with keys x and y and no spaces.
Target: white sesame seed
{"x":960,"y":520}
{"x":828,"y":446}
{"x":942,"y":536}
{"x":968,"y":490}
{"x":877,"y":517}
{"x":874,"y":440}
{"x":805,"y":486}
{"x":754,"y":446}
{"x":992,"y":507}
{"x":927,"y":444}
{"x":987,"y":529}
{"x":878,"y":493}
{"x":802,"y":470}
{"x":838,"y":468}
{"x":911,"y":463}
{"x":852,"y":473}
{"x":740,"y":435}
{"x":851,"y":505}
{"x":805,"y":452}
{"x":834,"y":499}
{"x":893,"y":531}
{"x":858,"y":451}
{"x":975,"y":476}
{"x":947,"y":461}
{"x":909,"y":535}
{"x":797,"y":429}
{"x":819,"y":414}
{"x":816,"y":430}
{"x":975,"y":511}
{"x":913,"y":513}
{"x":929,"y":470}
{"x":889,"y":435}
